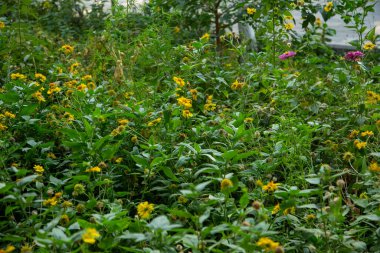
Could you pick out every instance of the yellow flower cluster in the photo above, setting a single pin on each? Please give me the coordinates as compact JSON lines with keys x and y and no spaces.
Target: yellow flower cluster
{"x":353,"y":134}
{"x":187,"y":114}
{"x":194,"y":94}
{"x":251,"y":11}
{"x":2,"y":25}
{"x":248,"y":120}
{"x":209,"y":106}
{"x":70,"y":84}
{"x":90,"y":235}
{"x":3,"y":127}
{"x":7,"y":114}
{"x":205,"y":37}
{"x":276,"y":208}
{"x":38,"y":95}
{"x":9,"y":248}
{"x":289,"y":26}
{"x":154,"y":122}
{"x":53,"y":88}
{"x":68,"y":117}
{"x":144,"y":209}
{"x":328,"y":7}
{"x":67,"y":49}
{"x":225,"y":184}
{"x":267,"y":244}
{"x":369,"y":46}
{"x":94,"y":169}
{"x":38,"y":169}
{"x":41,"y":77}
{"x":289,"y":210}
{"x":18,"y":76}
{"x":373,"y":97}
{"x":73,"y":67}
{"x":270,"y":187}
{"x":360,"y":144}
{"x":374,"y":166}
{"x":185,"y":102}
{"x":366,"y":133}
{"x":179,"y":81}
{"x":53,"y":200}
{"x":237,"y":85}
{"x":82,"y":87}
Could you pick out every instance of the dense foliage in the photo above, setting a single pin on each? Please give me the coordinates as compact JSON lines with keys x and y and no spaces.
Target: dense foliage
{"x":158,"y":131}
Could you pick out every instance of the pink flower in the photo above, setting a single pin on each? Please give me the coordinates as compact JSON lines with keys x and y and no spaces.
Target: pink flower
{"x":287,"y":55}
{"x":354,"y":56}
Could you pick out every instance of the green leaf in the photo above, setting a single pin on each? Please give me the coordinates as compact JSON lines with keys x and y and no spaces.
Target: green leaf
{"x":26,"y":180}
{"x":228,"y":155}
{"x":244,"y":200}
{"x":169,"y":173}
{"x":315,"y":180}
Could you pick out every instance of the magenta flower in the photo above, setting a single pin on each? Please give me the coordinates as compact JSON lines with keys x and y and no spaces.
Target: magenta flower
{"x":354,"y":56}
{"x":287,"y":55}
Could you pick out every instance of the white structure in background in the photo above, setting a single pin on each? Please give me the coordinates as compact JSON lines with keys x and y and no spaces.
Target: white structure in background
{"x":340,"y":40}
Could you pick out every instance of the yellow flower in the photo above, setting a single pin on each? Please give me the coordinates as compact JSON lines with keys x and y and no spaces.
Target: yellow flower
{"x":144,"y":209}
{"x":40,"y":76}
{"x":51,"y":155}
{"x":259,"y":183}
{"x":276,"y":209}
{"x":154,"y":122}
{"x":267,"y":244}
{"x":360,"y":144}
{"x":367,"y":133}
{"x":373,"y":97}
{"x":374,"y":166}
{"x":123,"y":121}
{"x":94,"y":169}
{"x":50,"y":202}
{"x":251,"y":11}
{"x":2,"y":25}
{"x":185,"y":102}
{"x":67,"y":204}
{"x":328,"y":6}
{"x":348,"y":156}
{"x":353,"y":134}
{"x":318,"y":22}
{"x":226,"y":183}
{"x":289,"y":26}
{"x":9,"y":115}
{"x":237,"y":85}
{"x":288,"y":17}
{"x":134,"y":139}
{"x":38,"y":95}
{"x":87,"y":77}
{"x":82,"y":87}
{"x":205,"y":36}
{"x":119,"y":160}
{"x":248,"y":120}
{"x":69,"y":117}
{"x":271,"y":186}
{"x":3,"y":127}
{"x":369,"y":46}
{"x":91,"y":85}
{"x":65,"y":219}
{"x":53,"y":88}
{"x":194,"y":94}
{"x":67,"y":49}
{"x":177,"y":29}
{"x":19,"y":76}
{"x":187,"y":114}
{"x":179,"y":81}
{"x":73,"y":67}
{"x":70,"y":84}
{"x":289,"y":210}
{"x":210,"y":107}
{"x":38,"y":169}
{"x":90,"y":235}
{"x":26,"y":248}
{"x":9,"y":248}
{"x":310,"y":217}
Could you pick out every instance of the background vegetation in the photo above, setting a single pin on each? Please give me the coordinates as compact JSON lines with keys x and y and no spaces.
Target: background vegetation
{"x":161,"y":131}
